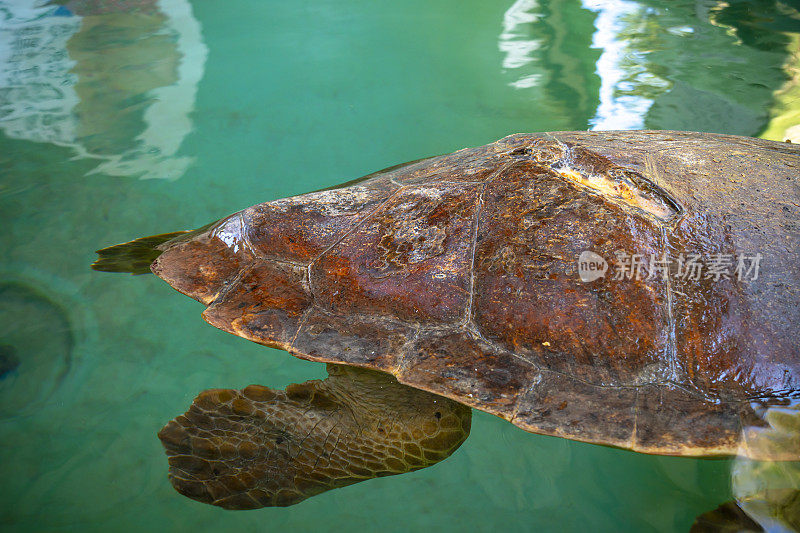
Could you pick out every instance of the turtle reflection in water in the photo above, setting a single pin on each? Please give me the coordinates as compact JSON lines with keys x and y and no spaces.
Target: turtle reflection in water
{"x":452,"y":283}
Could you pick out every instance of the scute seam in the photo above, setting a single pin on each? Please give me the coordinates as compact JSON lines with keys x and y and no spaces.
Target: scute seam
{"x":352,"y":229}
{"x":692,"y":391}
{"x":257,"y":253}
{"x":477,"y":219}
{"x":404,"y":353}
{"x":230,"y":285}
{"x":524,"y":394}
{"x":301,"y":323}
{"x":635,"y":420}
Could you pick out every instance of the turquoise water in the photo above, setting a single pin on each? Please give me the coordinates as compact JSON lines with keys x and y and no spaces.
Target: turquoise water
{"x":132,"y":118}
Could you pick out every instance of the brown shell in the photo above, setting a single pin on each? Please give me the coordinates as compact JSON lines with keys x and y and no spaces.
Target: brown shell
{"x":458,"y":274}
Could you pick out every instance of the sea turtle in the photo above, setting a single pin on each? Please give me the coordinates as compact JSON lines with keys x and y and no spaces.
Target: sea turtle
{"x":635,"y":289}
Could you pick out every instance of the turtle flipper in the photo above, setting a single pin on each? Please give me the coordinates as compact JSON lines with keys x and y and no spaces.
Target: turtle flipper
{"x":727,"y":518}
{"x":773,"y":510}
{"x":767,"y":492}
{"x":135,"y":256}
{"x":260,"y":447}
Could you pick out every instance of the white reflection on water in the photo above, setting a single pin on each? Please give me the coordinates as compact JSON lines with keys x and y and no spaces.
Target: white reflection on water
{"x":36,"y":82}
{"x":117,"y":87}
{"x":617,"y":66}
{"x":516,"y":42}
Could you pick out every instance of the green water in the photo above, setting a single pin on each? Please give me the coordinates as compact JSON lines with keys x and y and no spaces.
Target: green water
{"x":221,"y":105}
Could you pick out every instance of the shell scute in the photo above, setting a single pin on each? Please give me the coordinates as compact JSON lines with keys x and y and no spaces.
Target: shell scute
{"x":674,"y":421}
{"x":364,"y":341}
{"x":410,"y":260}
{"x":529,"y":298}
{"x":300,"y":228}
{"x":460,"y":362}
{"x":265,"y":304}
{"x":563,"y":406}
{"x":470,"y":165}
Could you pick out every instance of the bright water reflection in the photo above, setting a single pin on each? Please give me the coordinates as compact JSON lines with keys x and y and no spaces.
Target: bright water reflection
{"x":621,"y":67}
{"x":116,"y":86}
{"x":700,"y":66}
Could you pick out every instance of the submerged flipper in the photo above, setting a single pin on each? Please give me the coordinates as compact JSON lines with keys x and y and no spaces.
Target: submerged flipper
{"x":134,"y":256}
{"x":137,"y":255}
{"x":767,"y":493}
{"x":727,"y":518}
{"x":260,"y":447}
{"x":777,"y":510}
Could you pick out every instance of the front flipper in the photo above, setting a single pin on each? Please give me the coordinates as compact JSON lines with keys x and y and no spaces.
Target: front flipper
{"x":777,"y":510}
{"x":767,"y":492}
{"x":727,"y":518}
{"x":259,"y":447}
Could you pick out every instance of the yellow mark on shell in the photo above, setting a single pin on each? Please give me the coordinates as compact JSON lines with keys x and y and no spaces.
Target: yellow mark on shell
{"x":619,"y":190}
